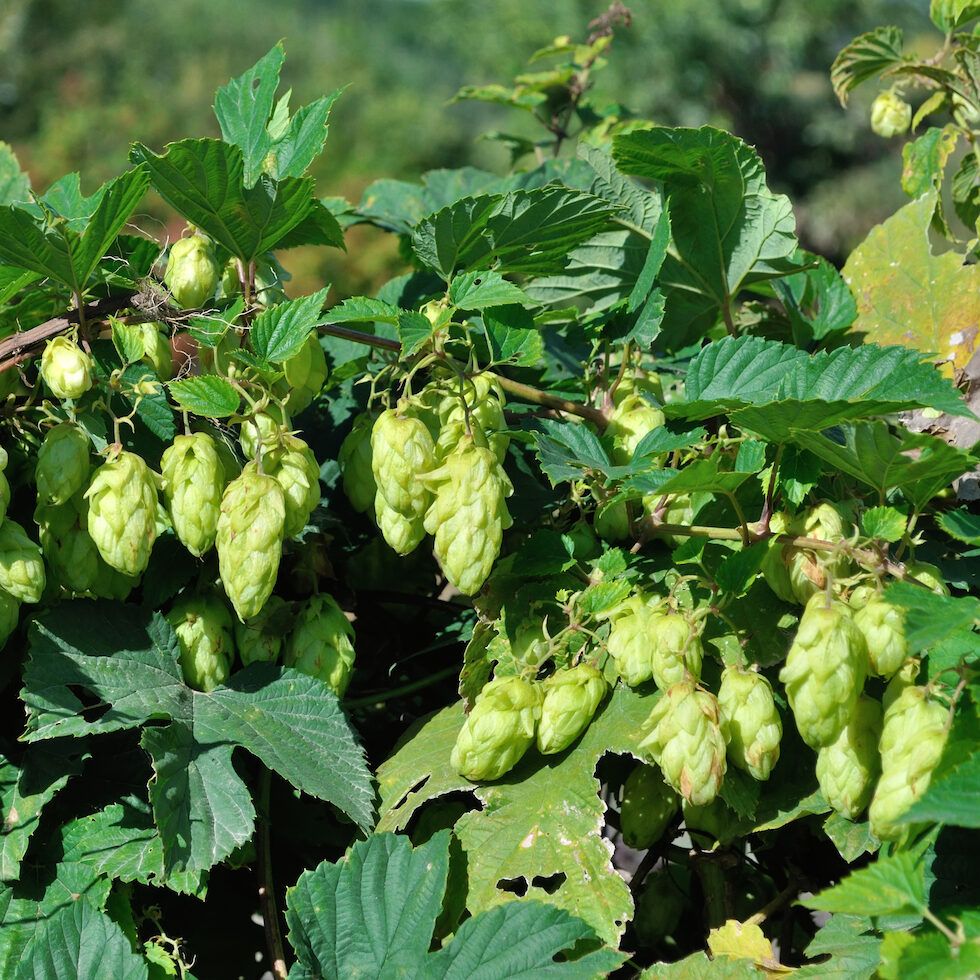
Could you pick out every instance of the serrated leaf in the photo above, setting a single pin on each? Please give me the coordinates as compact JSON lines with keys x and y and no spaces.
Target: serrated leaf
{"x":737,"y":570}
{"x":961,"y":525}
{"x":206,"y":395}
{"x":924,"y":159}
{"x":281,"y":330}
{"x":853,"y":950}
{"x":884,"y":523}
{"x":851,"y":838}
{"x":965,"y":191}
{"x":512,"y":336}
{"x":565,"y":451}
{"x":478,"y":290}
{"x":817,"y":301}
{"x":697,"y":966}
{"x":930,"y":618}
{"x":15,"y":185}
{"x":893,"y":884}
{"x":302,"y":142}
{"x":948,"y":15}
{"x":362,"y":309}
{"x":868,"y":55}
{"x":415,"y":330}
{"x":150,"y":402}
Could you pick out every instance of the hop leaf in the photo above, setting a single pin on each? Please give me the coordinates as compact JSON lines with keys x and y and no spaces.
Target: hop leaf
{"x":825,"y":670}
{"x":294,"y":467}
{"x":891,"y":115}
{"x":570,"y":699}
{"x":66,"y":368}
{"x":203,"y":627}
{"x":261,"y":637}
{"x":249,"y":539}
{"x":848,"y":767}
{"x":883,"y":628}
{"x":499,"y":729}
{"x":192,"y":272}
{"x":355,"y":464}
{"x":749,"y":721}
{"x":648,"y":807}
{"x":63,"y":464}
{"x":193,"y":482}
{"x":685,"y":740}
{"x":321,"y":644}
{"x":21,"y":564}
{"x":122,"y":513}
{"x":306,"y":372}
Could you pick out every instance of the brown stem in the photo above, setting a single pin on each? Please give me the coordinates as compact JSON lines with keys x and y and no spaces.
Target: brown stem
{"x":267,"y":893}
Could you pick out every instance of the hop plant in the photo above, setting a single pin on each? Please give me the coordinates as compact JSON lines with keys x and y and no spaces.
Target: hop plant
{"x":156,"y":350}
{"x":355,"y":464}
{"x":749,"y":721}
{"x":848,"y":767}
{"x":66,"y":368}
{"x":912,"y":741}
{"x":9,"y":615}
{"x":883,"y":628}
{"x":122,"y":512}
{"x":612,"y":521}
{"x":648,"y":807}
{"x":193,"y":481}
{"x":263,"y":431}
{"x":192,"y":272}
{"x":825,"y":670}
{"x":928,"y":575}
{"x":322,"y":643}
{"x":891,"y":115}
{"x":306,"y":372}
{"x":629,"y":642}
{"x":775,"y":565}
{"x":63,"y":464}
{"x":203,"y":627}
{"x":4,"y":495}
{"x":569,"y":700}
{"x":469,"y":514}
{"x":632,"y":419}
{"x":294,"y":467}
{"x":21,"y":564}
{"x":676,"y":650}
{"x":685,"y":740}
{"x":499,"y":729}
{"x":261,"y":637}
{"x":249,"y":539}
{"x":401,"y":451}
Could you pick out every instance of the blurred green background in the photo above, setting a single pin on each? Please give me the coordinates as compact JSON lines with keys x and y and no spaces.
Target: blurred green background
{"x":81,"y":79}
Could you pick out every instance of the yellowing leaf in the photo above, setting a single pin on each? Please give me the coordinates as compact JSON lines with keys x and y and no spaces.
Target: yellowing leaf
{"x":908,"y":295}
{"x":740,"y":941}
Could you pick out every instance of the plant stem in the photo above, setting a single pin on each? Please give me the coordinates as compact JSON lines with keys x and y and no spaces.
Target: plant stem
{"x":710,"y":869}
{"x":397,"y":692}
{"x":267,"y":893}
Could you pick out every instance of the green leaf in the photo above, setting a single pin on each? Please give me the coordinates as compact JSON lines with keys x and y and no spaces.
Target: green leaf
{"x":362,"y":309}
{"x":697,"y":966}
{"x":853,"y":951}
{"x":15,"y":185}
{"x":512,"y":336}
{"x":884,"y":524}
{"x":415,"y":330}
{"x":478,"y":290}
{"x":206,"y":395}
{"x":925,"y":158}
{"x":930,"y":618}
{"x":851,"y":838}
{"x":737,"y":570}
{"x":243,"y":107}
{"x":127,"y":338}
{"x":204,"y":181}
{"x":891,"y":885}
{"x":303,"y":140}
{"x":703,"y":475}
{"x":817,"y":300}
{"x":152,"y":407}
{"x":868,"y":55}
{"x":565,"y":451}
{"x":281,"y":330}
{"x":961,"y":525}
{"x":965,"y":191}
{"x":948,"y":15}
{"x":929,"y":956}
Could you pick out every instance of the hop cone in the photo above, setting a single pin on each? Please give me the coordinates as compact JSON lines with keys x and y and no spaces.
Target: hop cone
{"x":263,"y":431}
{"x":71,"y":554}
{"x":675,"y":648}
{"x":193,"y":481}
{"x":648,"y":807}
{"x":848,"y":767}
{"x":261,"y":637}
{"x":912,"y":741}
{"x":21,"y":564}
{"x":883,"y":628}
{"x":485,"y":403}
{"x":499,"y":729}
{"x":9,"y":614}
{"x":570,"y":699}
{"x":469,"y":514}
{"x":685,"y":740}
{"x":612,"y":521}
{"x":907,"y":675}
{"x":401,"y":450}
{"x":717,"y":820}
{"x":775,"y":568}
{"x":249,"y":540}
{"x":355,"y":464}
{"x":294,"y":467}
{"x":928,"y":575}
{"x":825,"y":670}
{"x":646,"y":382}
{"x":749,"y":721}
{"x":203,"y":627}
{"x":629,"y":642}
{"x":122,"y":513}
{"x":891,"y":115}
{"x":192,"y":272}
{"x":321,"y":644}
{"x":4,"y":495}
{"x":63,"y":464}
{"x":808,"y":573}
{"x":66,"y":368}
{"x":157,"y":351}
{"x":632,"y":419}
{"x":305,"y":371}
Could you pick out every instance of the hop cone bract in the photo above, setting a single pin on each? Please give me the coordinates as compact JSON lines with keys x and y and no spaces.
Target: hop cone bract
{"x":71,"y":554}
{"x":676,"y":650}
{"x":66,"y":368}
{"x":21,"y":564}
{"x":648,"y":807}
{"x":157,"y":351}
{"x":848,"y":767}
{"x":203,"y":627}
{"x":322,"y":643}
{"x":294,"y":467}
{"x":9,"y":614}
{"x":632,"y":419}
{"x":355,"y":464}
{"x":263,"y":431}
{"x":891,"y":115}
{"x":63,"y":464}
{"x":825,"y":670}
{"x":883,"y":628}
{"x":305,"y":372}
{"x":749,"y":721}
{"x":570,"y":699}
{"x":261,"y":637}
{"x":192,"y":271}
{"x":193,"y":482}
{"x":630,"y":643}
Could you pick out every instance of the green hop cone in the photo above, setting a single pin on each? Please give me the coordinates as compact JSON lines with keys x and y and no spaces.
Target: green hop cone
{"x":249,"y":539}
{"x":4,"y":496}
{"x":263,"y":431}
{"x":63,"y":464}
{"x":9,"y":615}
{"x":907,"y":675}
{"x":203,"y":627}
{"x":612,"y":521}
{"x":73,"y":559}
{"x":646,"y":382}
{"x":685,"y":740}
{"x":322,"y":643}
{"x":676,"y":650}
{"x":122,"y":513}
{"x":629,"y":642}
{"x":715,"y":821}
{"x":499,"y":729}
{"x":632,"y":419}
{"x":401,"y":451}
{"x":809,"y":571}
{"x":294,"y":467}
{"x":21,"y":564}
{"x":66,"y":368}
{"x":749,"y":721}
{"x":192,"y":272}
{"x":825,"y":670}
{"x":891,"y":115}
{"x":193,"y":482}
{"x":485,"y":405}
{"x":648,"y":807}
{"x":928,"y":575}
{"x":661,"y":905}
{"x":775,"y":568}
{"x":883,"y":628}
{"x":260,"y":639}
{"x":355,"y":464}
{"x":469,"y":514}
{"x":306,"y":372}
{"x":912,"y":741}
{"x":848,"y":767}
{"x":156,"y":349}
{"x":570,"y":699}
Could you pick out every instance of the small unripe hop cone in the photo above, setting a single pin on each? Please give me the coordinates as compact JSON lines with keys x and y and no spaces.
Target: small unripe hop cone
{"x":648,"y":807}
{"x":192,"y":272}
{"x":355,"y":464}
{"x":891,"y":115}
{"x":321,"y":644}
{"x":66,"y":369}
{"x":63,"y":464}
{"x":203,"y":627}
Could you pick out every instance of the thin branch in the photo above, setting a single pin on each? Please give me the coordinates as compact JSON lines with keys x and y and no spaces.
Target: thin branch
{"x":267,"y":893}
